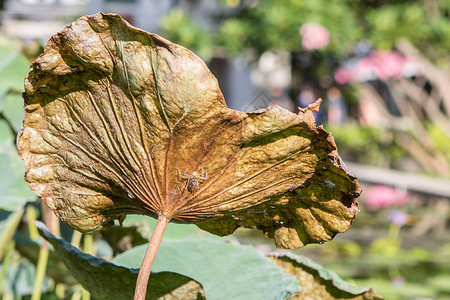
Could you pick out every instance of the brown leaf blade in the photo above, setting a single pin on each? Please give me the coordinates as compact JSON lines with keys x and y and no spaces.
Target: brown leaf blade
{"x":120,"y":121}
{"x":319,"y":283}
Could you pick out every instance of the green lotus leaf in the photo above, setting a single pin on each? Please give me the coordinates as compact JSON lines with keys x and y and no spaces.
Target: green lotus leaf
{"x":105,"y":280}
{"x":13,"y":65}
{"x":226,"y":270}
{"x":14,"y":192}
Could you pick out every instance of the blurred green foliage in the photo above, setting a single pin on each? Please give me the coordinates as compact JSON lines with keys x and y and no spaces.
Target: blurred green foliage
{"x":427,"y":30}
{"x":274,"y":24}
{"x":368,"y":145}
{"x":179,"y":27}
{"x":440,"y":139}
{"x":266,"y":25}
{"x":377,"y":146}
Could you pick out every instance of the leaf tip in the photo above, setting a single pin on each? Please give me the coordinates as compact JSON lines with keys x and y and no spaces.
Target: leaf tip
{"x":312,"y":107}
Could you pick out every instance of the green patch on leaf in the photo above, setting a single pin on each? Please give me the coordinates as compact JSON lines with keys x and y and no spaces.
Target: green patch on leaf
{"x":13,"y":67}
{"x":13,"y":109}
{"x":13,"y":189}
{"x":136,"y":230}
{"x":223,"y":268}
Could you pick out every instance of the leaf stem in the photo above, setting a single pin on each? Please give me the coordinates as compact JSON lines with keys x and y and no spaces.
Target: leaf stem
{"x":5,"y":265}
{"x":88,"y":247}
{"x":76,"y":238}
{"x":153,"y":246}
{"x":30,"y":214}
{"x":8,"y":230}
{"x":40,"y":271}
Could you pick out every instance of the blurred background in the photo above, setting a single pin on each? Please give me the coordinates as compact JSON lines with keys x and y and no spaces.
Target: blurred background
{"x":381,"y":67}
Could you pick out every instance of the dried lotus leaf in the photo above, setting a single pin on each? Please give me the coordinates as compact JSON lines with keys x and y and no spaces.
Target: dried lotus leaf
{"x":121,"y":121}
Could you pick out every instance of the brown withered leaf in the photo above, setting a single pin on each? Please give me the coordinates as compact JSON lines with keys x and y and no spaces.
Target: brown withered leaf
{"x":120,"y":121}
{"x":319,"y":283}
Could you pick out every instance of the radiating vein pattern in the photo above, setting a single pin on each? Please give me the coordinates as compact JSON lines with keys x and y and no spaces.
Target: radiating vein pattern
{"x":119,"y":121}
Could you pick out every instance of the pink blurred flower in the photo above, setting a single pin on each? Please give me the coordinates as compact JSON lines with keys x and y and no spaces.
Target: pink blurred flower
{"x":314,"y":36}
{"x":384,"y":64}
{"x":377,"y":65}
{"x":343,"y":76}
{"x":380,"y":196}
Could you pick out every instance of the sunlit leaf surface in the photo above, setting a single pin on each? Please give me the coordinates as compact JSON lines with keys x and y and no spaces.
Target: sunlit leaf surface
{"x":226,"y":271}
{"x":122,"y":121}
